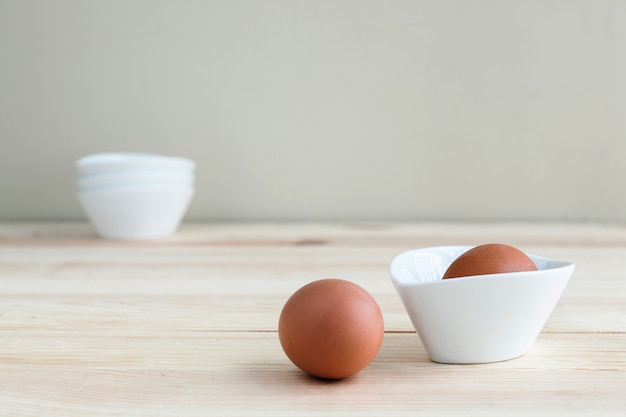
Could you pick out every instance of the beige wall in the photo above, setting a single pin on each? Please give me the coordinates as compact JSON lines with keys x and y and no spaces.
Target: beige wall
{"x":314,"y":109}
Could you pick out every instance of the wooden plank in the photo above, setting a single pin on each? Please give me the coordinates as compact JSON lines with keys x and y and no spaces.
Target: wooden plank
{"x":233,"y":372}
{"x":187,"y":325}
{"x":362,"y":233}
{"x":199,"y":285}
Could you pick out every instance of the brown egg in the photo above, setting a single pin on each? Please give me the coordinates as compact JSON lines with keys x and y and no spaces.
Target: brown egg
{"x":493,"y":258}
{"x":331,"y":328}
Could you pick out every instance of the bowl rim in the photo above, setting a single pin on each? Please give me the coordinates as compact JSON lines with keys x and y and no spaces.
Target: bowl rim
{"x":135,"y":173}
{"x":91,"y":162}
{"x":554,"y":264}
{"x":134,"y":188}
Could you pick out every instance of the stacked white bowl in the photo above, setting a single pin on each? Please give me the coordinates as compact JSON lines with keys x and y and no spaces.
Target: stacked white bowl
{"x":134,"y":195}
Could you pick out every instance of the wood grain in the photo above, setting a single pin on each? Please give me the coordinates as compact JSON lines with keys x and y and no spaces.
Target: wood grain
{"x":186,"y":326}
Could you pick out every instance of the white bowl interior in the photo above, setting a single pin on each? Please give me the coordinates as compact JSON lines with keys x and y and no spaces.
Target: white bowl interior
{"x":477,"y":319}
{"x":429,"y":264}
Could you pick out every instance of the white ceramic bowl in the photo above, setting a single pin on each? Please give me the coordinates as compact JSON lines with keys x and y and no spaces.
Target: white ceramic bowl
{"x":479,"y":319}
{"x":136,"y":212}
{"x":115,"y":178}
{"x":107,"y":162}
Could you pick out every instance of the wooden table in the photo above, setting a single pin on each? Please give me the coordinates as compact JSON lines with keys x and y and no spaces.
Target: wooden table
{"x":186,"y":326}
